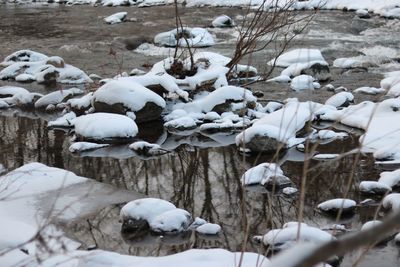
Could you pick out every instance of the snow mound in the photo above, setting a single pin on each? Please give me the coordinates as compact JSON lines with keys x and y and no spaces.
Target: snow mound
{"x":303,"y":55}
{"x":26,"y":65}
{"x":208,"y":229}
{"x":105,"y":126}
{"x":186,"y":37}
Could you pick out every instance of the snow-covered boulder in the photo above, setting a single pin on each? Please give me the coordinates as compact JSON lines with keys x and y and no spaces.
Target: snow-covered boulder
{"x":279,"y":239}
{"x":155,"y":214}
{"x":186,"y":37}
{"x":122,"y":96}
{"x":181,"y":124}
{"x":374,"y":188}
{"x":334,"y":206}
{"x":80,"y":105}
{"x":105,"y":127}
{"x":342,"y":99}
{"x":57,"y":97}
{"x":277,"y":130}
{"x":171,"y":221}
{"x":116,"y":18}
{"x":392,"y":201}
{"x":304,"y":82}
{"x":222,"y":22}
{"x":85,"y":146}
{"x":26,"y":65}
{"x":391,"y":179}
{"x":302,"y":55}
{"x":17,"y":96}
{"x":66,"y":121}
{"x":267,"y":174}
{"x":208,"y":229}
{"x":221,"y":100}
{"x":147,"y":149}
{"x":317,"y":69}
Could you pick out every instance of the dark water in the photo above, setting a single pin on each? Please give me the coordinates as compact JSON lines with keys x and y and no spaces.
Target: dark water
{"x":203,"y":173}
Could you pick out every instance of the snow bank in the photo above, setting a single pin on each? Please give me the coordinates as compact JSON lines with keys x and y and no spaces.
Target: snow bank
{"x":26,"y":65}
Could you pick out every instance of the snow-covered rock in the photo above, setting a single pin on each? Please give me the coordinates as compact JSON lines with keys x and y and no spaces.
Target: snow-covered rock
{"x":279,"y":239}
{"x":171,"y":221}
{"x":85,"y":146}
{"x":304,"y":82}
{"x":334,"y":206}
{"x":369,"y":90}
{"x":80,"y":105}
{"x":67,"y":120}
{"x":391,"y":179}
{"x":116,"y":18}
{"x":208,"y":229}
{"x":342,"y":99}
{"x":147,"y":149}
{"x":181,"y":124}
{"x":57,"y":97}
{"x":43,"y":69}
{"x":317,"y":69}
{"x":223,"y":21}
{"x":188,"y":37}
{"x":303,"y":55}
{"x":392,"y":201}
{"x":122,"y":96}
{"x":373,"y":187}
{"x":105,"y":127}
{"x":267,"y":174}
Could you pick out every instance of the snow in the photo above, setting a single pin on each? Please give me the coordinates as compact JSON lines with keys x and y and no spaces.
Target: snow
{"x":195,"y":37}
{"x":36,"y":66}
{"x":57,"y":97}
{"x":372,"y":187}
{"x":296,"y":69}
{"x":174,"y":220}
{"x":208,"y":229}
{"x":100,"y":126}
{"x":182,"y":123}
{"x":329,"y":134}
{"x":304,"y":82}
{"x":222,"y":21}
{"x":197,"y":222}
{"x":12,"y":90}
{"x":3,"y":104}
{"x":85,"y":146}
{"x":282,"y":124}
{"x":337,"y":204}
{"x":289,"y":236}
{"x":193,"y":257}
{"x":303,"y":55}
{"x":145,"y":209}
{"x":289,"y":191}
{"x":261,"y":173}
{"x":368,"y":225}
{"x":391,"y":179}
{"x":116,"y":18}
{"x":218,"y":96}
{"x":369,"y":90}
{"x":340,"y":99}
{"x":142,"y":147}
{"x":81,"y":103}
{"x":392,"y":201}
{"x":67,"y":120}
{"x":131,"y":94}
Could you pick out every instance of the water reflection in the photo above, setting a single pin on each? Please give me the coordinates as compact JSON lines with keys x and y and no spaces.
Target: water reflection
{"x":204,"y":181}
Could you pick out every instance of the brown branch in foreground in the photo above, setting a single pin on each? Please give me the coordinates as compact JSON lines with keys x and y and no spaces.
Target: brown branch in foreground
{"x":315,"y":254}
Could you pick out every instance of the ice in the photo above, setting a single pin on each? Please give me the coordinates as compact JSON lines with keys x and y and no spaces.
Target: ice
{"x":103,"y":126}
{"x":116,"y":18}
{"x":208,"y":229}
